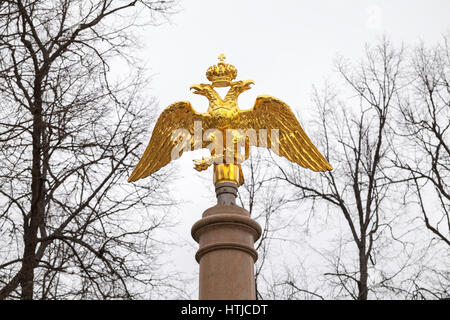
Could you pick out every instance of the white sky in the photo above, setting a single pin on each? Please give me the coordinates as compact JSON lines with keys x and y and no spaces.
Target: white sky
{"x":284,"y":46}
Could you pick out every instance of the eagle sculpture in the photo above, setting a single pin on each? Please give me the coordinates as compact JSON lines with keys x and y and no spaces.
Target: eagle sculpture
{"x":268,"y":113}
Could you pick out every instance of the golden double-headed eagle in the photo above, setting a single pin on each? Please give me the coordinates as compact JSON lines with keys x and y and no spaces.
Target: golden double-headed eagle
{"x":224,"y":114}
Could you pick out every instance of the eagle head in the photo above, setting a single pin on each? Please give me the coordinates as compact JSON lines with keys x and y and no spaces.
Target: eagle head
{"x":202,"y":89}
{"x":242,"y":85}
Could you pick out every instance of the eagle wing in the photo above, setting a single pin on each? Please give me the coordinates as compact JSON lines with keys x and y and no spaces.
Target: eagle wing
{"x":272,"y":113}
{"x":179,"y":115}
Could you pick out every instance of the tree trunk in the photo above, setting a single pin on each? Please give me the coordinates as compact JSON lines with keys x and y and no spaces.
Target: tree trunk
{"x":32,"y":222}
{"x":363,"y":275}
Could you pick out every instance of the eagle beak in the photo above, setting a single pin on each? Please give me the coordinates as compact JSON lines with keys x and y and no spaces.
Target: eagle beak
{"x":247,"y":84}
{"x":197,"y":88}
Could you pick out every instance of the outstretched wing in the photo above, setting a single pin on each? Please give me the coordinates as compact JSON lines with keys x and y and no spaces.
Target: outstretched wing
{"x":179,"y":115}
{"x":272,"y":113}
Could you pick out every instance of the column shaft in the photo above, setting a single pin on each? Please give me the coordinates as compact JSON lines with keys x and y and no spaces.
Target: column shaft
{"x":226,"y":235}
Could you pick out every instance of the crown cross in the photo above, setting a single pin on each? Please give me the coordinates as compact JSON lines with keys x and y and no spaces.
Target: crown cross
{"x":222,"y":58}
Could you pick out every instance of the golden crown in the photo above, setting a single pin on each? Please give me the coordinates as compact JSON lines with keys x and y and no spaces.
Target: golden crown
{"x":221,"y":74}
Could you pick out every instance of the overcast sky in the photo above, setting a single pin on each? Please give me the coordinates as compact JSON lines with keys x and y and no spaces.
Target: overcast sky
{"x":284,"y":46}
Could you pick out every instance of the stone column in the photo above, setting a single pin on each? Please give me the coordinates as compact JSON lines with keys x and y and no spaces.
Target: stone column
{"x":226,"y":235}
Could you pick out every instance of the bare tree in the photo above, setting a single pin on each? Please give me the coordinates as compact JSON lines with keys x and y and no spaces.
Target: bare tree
{"x":358,"y":130}
{"x":423,"y":153}
{"x":70,"y":225}
{"x":425,"y":124}
{"x":292,"y":284}
{"x":356,"y":140}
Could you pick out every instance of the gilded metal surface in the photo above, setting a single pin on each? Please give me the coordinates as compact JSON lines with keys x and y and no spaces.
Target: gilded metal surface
{"x":228,"y":173}
{"x":267,"y":113}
